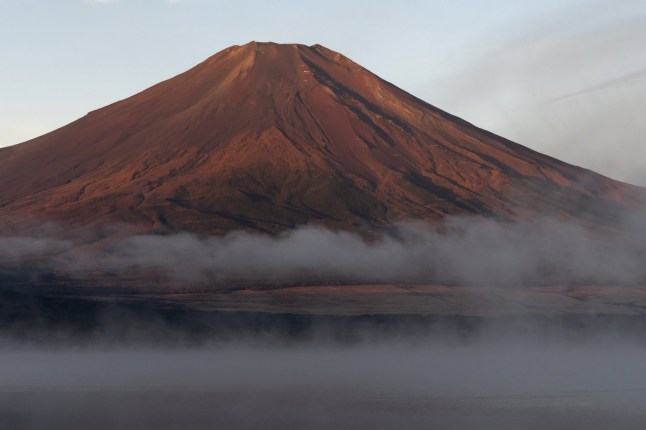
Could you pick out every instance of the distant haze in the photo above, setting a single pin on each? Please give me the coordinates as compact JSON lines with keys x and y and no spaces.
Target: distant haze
{"x":564,"y":77}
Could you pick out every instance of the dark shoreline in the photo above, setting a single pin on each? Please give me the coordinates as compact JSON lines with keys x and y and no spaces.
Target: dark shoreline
{"x":28,"y":315}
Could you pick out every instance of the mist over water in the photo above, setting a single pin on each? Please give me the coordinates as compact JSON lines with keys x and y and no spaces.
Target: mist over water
{"x":510,"y":383}
{"x":527,"y":374}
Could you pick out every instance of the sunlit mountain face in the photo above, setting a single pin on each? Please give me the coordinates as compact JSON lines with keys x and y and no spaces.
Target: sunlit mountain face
{"x":268,"y":137}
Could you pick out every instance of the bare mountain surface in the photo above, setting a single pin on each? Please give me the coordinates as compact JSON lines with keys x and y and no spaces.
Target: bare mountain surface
{"x":267,"y":137}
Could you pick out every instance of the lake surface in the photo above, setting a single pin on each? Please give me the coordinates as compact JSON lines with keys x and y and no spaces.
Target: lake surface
{"x":515,"y":384}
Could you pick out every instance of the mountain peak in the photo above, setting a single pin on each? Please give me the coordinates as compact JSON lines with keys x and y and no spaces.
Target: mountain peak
{"x":269,"y":136}
{"x":277,"y":52}
{"x":264,"y":48}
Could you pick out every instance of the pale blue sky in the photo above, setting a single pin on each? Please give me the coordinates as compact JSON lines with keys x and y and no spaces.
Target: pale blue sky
{"x":566,"y":77}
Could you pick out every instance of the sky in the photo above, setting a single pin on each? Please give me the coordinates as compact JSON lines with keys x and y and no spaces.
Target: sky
{"x":564,"y":77}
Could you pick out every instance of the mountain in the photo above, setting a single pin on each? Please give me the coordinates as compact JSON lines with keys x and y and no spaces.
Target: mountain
{"x":267,"y":137}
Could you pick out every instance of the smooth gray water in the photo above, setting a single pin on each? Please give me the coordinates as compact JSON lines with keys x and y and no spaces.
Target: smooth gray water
{"x":507,"y":385}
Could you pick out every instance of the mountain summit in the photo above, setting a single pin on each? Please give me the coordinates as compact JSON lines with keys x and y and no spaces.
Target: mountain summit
{"x":269,"y":136}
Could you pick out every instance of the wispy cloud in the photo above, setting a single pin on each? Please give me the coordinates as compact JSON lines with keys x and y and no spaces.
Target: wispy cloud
{"x":463,"y":251}
{"x":571,"y":84}
{"x":608,"y":84}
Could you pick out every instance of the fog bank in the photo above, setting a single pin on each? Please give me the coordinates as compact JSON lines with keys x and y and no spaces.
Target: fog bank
{"x":465,"y":251}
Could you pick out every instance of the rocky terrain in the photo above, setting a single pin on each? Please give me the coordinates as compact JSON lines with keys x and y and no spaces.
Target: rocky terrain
{"x":267,"y":137}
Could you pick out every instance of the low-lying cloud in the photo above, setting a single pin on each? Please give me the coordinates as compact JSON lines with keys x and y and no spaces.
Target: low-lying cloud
{"x":461,"y":251}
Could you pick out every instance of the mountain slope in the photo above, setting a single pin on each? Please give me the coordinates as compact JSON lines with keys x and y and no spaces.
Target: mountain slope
{"x":268,"y":136}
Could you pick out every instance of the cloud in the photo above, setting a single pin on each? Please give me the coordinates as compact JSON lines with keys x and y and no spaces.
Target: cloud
{"x":462,"y":251}
{"x":605,"y":85}
{"x":570,"y":84}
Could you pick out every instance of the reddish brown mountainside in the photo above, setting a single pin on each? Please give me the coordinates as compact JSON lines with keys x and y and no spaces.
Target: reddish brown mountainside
{"x":271,"y":136}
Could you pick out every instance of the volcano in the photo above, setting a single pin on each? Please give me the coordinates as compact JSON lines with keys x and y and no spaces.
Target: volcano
{"x":270,"y":136}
